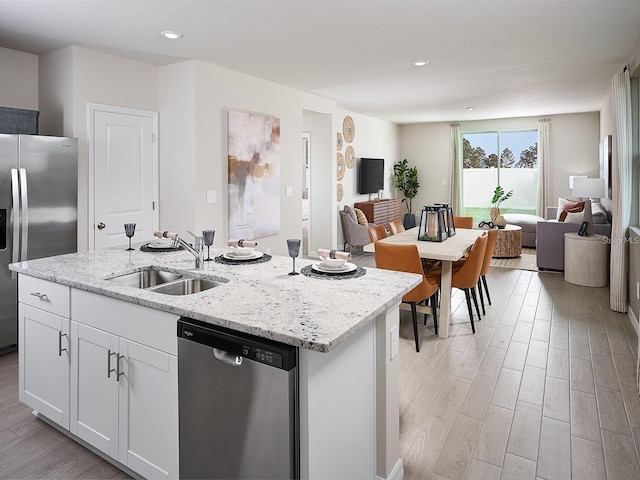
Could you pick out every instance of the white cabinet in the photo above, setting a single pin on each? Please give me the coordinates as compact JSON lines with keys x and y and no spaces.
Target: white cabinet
{"x":43,"y":348}
{"x":124,"y":393}
{"x":125,"y":400}
{"x":44,"y":363}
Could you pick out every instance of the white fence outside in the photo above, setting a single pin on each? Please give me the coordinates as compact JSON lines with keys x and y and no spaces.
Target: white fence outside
{"x":479,"y":184}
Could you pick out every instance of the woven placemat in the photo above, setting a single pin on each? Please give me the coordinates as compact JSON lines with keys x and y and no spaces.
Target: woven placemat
{"x":227,"y":261}
{"x":310,"y":272}
{"x":147,"y":248}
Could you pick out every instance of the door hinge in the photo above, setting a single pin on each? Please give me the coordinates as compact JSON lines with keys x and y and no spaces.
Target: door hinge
{"x":153,"y":205}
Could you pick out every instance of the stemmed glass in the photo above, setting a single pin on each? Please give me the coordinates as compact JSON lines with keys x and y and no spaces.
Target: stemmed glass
{"x":129,"y":230}
{"x":208,"y":241}
{"x":294,"y":251}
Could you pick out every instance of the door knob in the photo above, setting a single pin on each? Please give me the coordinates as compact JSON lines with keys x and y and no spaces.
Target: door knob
{"x":101,"y":226}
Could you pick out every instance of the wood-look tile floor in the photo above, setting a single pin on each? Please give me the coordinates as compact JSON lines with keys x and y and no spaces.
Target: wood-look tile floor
{"x":543,"y":390}
{"x":29,"y":448}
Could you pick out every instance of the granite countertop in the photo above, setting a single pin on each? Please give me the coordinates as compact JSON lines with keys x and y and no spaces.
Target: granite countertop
{"x":259,"y":299}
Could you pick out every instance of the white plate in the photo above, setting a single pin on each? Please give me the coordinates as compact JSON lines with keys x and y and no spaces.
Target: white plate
{"x":159,"y":245}
{"x":233,"y":256}
{"x":346,"y":268}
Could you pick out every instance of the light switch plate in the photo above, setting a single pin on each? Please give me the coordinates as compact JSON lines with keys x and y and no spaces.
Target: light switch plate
{"x":394,"y":342}
{"x":289,"y":191}
{"x":211,"y":196}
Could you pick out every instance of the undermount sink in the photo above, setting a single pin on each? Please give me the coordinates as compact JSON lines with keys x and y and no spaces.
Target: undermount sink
{"x":146,"y":278}
{"x":166,"y":282}
{"x":186,"y":286}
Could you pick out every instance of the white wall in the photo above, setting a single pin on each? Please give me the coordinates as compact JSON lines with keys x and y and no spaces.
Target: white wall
{"x":18,"y":80}
{"x":574,"y":151}
{"x":94,"y":78}
{"x":374,"y":138}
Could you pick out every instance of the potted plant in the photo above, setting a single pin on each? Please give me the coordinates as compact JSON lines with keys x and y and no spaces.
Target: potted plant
{"x":405,"y":179}
{"x":498,"y":197}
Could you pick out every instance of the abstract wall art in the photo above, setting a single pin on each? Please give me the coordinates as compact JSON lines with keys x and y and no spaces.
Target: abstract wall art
{"x":254,"y":175}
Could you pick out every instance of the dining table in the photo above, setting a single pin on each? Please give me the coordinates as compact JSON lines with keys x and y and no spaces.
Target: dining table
{"x":448,"y":251}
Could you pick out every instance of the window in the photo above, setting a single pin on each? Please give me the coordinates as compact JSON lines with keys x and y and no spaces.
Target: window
{"x":508,"y":159}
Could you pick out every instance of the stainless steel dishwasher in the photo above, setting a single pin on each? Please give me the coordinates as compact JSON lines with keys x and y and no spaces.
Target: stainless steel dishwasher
{"x":238,"y":405}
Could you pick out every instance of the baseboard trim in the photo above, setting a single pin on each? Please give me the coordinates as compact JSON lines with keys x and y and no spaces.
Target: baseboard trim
{"x":633,"y":319}
{"x":397,"y":472}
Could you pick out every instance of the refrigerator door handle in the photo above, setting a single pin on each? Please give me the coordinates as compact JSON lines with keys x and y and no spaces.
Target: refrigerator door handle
{"x":15,"y":221}
{"x":24,"y":214}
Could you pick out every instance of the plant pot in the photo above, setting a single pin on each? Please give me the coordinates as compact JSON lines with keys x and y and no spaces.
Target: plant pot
{"x":409,"y":221}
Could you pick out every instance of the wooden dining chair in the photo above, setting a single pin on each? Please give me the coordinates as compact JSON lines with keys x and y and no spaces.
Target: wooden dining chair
{"x":377,"y":233}
{"x":396,"y":227}
{"x":492,"y":235}
{"x":405,"y":258}
{"x":463,"y":222}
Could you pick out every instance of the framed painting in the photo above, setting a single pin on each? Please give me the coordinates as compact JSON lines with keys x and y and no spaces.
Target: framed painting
{"x":254,"y":175}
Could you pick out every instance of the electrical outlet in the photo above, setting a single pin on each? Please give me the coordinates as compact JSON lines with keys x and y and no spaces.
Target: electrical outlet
{"x":444,"y":182}
{"x":394,"y":342}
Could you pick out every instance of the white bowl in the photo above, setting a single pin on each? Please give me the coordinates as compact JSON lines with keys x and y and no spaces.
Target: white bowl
{"x":242,"y":251}
{"x":333,"y":262}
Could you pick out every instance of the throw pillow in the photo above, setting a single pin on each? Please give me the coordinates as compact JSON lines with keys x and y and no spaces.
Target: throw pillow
{"x":574,"y":217}
{"x":598,"y":213}
{"x":351,"y":213}
{"x":362,"y":218}
{"x":568,"y":206}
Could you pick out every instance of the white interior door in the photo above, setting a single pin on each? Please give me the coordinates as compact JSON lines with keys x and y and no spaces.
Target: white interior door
{"x":123,"y":154}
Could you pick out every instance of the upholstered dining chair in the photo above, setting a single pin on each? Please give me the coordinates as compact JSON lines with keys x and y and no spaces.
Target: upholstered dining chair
{"x":405,"y":258}
{"x":466,"y":274}
{"x":377,"y":233}
{"x":396,"y":227}
{"x":463,"y":222}
{"x":492,"y":235}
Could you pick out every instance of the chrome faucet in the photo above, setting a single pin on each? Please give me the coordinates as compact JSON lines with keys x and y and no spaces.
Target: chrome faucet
{"x":197,"y":250}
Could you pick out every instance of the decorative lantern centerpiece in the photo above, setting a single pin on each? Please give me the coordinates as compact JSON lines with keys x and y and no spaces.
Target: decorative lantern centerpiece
{"x":451,"y":226}
{"x":433,"y":227}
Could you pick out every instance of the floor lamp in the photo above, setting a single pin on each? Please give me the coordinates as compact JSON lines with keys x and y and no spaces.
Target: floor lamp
{"x":588,"y":188}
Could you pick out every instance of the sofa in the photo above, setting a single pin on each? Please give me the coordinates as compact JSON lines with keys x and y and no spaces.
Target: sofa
{"x":550,"y":238}
{"x":528,"y":223}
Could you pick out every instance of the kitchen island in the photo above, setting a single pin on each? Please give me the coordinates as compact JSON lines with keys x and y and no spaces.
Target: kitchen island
{"x":348,"y":380}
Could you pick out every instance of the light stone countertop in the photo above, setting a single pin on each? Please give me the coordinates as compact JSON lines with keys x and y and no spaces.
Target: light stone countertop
{"x":259,"y":299}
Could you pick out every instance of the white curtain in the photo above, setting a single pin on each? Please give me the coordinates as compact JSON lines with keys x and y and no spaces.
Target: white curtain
{"x":621,"y":189}
{"x":544,"y":159}
{"x":456,"y":170}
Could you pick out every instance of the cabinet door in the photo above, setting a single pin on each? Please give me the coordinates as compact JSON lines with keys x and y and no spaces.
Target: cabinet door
{"x":148,"y":411}
{"x":94,"y":389}
{"x":44,"y":363}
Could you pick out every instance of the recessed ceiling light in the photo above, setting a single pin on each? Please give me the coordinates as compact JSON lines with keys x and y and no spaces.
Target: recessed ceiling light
{"x":171,"y":35}
{"x":420,"y":63}
{"x":471,"y":109}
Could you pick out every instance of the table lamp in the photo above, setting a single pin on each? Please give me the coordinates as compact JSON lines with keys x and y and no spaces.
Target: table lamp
{"x":588,"y":188}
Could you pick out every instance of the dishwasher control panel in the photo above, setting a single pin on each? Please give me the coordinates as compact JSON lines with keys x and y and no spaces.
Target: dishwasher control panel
{"x":251,"y":347}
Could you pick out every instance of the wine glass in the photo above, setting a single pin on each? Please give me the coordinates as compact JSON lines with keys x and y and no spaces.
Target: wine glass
{"x":294,"y":251}
{"x":208,"y":241}
{"x":129,"y":230}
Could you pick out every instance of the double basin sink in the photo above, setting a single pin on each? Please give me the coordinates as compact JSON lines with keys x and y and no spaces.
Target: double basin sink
{"x":166,"y":282}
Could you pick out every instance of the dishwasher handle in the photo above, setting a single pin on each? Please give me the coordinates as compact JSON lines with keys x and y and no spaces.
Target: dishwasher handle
{"x":227,"y":358}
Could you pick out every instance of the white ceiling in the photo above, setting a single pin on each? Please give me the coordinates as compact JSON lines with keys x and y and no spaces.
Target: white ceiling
{"x":506,"y":58}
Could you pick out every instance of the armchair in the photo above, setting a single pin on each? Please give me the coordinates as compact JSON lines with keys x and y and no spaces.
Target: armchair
{"x":355,"y":235}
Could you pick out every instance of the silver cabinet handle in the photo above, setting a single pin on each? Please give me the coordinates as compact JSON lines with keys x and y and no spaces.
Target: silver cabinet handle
{"x":60,"y":349}
{"x":109,"y":369}
{"x":41,"y":296}
{"x":15,"y":218}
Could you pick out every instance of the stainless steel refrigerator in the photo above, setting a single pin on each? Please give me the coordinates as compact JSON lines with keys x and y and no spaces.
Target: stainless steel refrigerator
{"x":38,"y":212}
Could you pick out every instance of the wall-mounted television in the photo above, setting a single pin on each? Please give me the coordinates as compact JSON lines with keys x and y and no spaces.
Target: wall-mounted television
{"x":371,"y":175}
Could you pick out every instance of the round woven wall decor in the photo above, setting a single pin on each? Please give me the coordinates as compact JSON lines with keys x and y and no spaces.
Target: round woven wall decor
{"x":339,"y":192}
{"x":340,"y":166}
{"x":350,"y":157}
{"x":339,"y":141}
{"x":348,"y":129}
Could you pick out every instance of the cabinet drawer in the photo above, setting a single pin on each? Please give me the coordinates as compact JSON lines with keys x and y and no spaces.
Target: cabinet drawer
{"x":48,"y":296}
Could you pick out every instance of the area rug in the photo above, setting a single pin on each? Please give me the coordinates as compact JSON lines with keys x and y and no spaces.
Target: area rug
{"x":526,"y":261}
